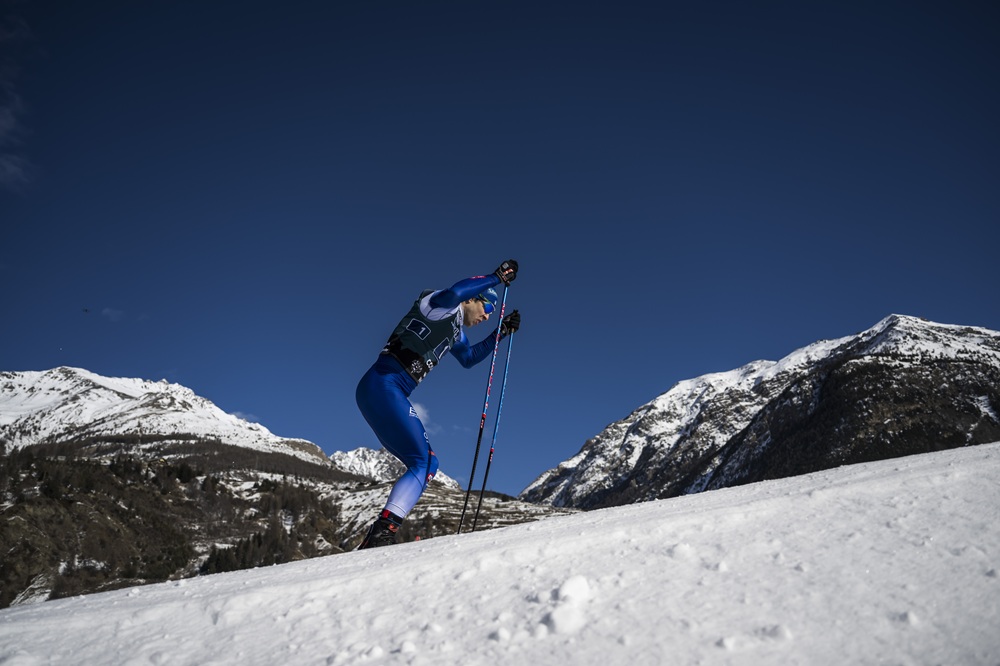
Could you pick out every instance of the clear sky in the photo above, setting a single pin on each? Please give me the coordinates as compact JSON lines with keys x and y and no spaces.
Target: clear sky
{"x":245,"y":197}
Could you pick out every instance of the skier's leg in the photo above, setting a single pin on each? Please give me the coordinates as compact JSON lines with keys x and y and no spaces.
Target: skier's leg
{"x":397,"y":426}
{"x":420,"y":469}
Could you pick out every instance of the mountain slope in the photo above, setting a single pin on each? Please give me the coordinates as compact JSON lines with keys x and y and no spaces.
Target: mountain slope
{"x":72,"y":405}
{"x":380,"y":465}
{"x":904,"y":386}
{"x":886,"y":562}
{"x":112,"y":482}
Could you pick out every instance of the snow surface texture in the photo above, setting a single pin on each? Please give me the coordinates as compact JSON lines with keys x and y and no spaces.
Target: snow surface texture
{"x":889,"y":562}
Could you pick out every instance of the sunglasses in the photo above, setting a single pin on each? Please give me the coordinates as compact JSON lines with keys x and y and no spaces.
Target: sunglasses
{"x":488,"y":307}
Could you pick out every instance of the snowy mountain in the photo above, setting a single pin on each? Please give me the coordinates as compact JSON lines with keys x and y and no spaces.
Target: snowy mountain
{"x":904,"y":386}
{"x":891,"y":562}
{"x":102,"y":414}
{"x":111,"y":482}
{"x":380,"y":465}
{"x":107,"y":415}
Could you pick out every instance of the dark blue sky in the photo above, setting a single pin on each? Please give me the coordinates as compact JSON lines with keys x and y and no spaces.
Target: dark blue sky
{"x":247,"y":196}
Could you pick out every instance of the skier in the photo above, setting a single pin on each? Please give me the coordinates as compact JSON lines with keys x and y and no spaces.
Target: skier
{"x":431,"y":328}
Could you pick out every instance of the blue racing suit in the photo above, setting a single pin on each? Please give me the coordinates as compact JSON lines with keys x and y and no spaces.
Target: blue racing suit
{"x":431,"y":328}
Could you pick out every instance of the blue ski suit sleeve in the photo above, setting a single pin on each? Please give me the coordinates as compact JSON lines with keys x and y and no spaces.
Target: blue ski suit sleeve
{"x":463,"y":290}
{"x":468,"y":355}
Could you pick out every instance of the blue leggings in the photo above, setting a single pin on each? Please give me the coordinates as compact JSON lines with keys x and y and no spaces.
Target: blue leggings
{"x":383,"y":397}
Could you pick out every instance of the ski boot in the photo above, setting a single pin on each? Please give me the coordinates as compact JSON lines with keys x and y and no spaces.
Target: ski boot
{"x":382,"y":532}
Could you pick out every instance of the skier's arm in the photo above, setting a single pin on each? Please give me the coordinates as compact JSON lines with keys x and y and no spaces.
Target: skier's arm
{"x":471,"y":287}
{"x":509,"y":324}
{"x":463,"y":290}
{"x":469,"y":355}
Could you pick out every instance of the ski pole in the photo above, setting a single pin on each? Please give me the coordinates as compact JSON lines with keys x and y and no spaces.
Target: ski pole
{"x":486,"y":403}
{"x":496,"y":426}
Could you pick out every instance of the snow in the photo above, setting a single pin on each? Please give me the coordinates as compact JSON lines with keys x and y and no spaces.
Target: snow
{"x":986,"y":409}
{"x":918,"y":337}
{"x":696,"y":417}
{"x":888,"y":562}
{"x":380,"y":465}
{"x":38,"y":405}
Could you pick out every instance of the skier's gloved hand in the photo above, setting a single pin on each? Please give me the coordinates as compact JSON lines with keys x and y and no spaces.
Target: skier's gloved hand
{"x":510,"y":324}
{"x":507,"y":271}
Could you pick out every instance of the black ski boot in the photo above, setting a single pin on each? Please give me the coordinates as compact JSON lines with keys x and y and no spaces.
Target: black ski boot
{"x":382,"y":532}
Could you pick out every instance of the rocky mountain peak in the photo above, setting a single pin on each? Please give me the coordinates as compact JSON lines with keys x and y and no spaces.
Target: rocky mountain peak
{"x":905,"y":385}
{"x":75,"y":406}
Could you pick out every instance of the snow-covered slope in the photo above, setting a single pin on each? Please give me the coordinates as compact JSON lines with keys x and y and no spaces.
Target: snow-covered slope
{"x":915,"y":337}
{"x":887,"y":562}
{"x":905,"y":385}
{"x":72,"y":404}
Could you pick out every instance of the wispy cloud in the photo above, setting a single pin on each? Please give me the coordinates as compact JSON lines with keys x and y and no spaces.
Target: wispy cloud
{"x":112,"y":314}
{"x":252,"y":418}
{"x":425,"y":417}
{"x":14,"y":168}
{"x":13,"y":171}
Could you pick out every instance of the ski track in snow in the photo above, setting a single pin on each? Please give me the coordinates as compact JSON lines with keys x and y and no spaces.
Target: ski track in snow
{"x":889,"y":562}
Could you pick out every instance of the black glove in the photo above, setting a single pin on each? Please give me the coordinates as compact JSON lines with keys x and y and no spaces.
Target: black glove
{"x":507,"y":271}
{"x":510,"y":324}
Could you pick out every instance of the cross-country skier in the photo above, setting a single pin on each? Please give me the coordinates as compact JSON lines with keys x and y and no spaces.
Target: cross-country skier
{"x":432,"y":328}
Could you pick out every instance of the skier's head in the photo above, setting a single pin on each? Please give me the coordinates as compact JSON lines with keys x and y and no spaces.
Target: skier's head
{"x":479,"y":308}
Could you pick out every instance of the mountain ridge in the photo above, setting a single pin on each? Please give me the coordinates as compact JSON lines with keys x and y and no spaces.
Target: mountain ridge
{"x":68,"y":404}
{"x":703,"y":431}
